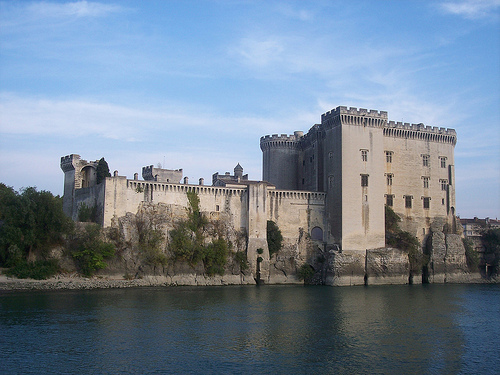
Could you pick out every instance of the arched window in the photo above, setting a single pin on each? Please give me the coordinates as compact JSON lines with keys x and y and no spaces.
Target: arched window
{"x":317,"y":234}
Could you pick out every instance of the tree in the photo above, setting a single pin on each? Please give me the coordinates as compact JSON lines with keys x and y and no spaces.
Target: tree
{"x":102,"y":171}
{"x":274,"y":237}
{"x":491,"y":242}
{"x":90,"y":251}
{"x":31,"y":220}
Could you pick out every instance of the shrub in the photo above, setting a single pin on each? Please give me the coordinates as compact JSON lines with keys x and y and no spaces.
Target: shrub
{"x":305,"y":273}
{"x":215,"y":257}
{"x":87,"y":213}
{"x":38,"y":270}
{"x":187,"y":241}
{"x":90,"y":251}
{"x":471,"y":255}
{"x":274,"y":238}
{"x":241,"y":258}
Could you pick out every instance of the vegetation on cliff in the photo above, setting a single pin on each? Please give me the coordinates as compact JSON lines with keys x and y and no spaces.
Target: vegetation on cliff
{"x":399,"y":239}
{"x":491,"y":242}
{"x":274,"y":238}
{"x":89,"y":249}
{"x":188,"y":240}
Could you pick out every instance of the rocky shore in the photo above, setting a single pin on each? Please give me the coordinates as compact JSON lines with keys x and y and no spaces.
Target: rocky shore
{"x":76,"y":282}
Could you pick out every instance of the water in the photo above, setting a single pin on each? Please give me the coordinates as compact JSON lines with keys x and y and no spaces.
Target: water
{"x":419,"y":329}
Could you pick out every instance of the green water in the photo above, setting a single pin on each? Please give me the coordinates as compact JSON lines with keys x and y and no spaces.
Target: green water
{"x":419,"y":329}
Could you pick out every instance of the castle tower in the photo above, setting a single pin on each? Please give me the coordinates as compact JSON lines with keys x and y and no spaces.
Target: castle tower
{"x":78,"y":173}
{"x":238,"y":171}
{"x":280,"y":159}
{"x":354,"y":173}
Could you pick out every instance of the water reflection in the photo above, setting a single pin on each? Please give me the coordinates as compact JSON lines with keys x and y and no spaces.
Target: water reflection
{"x":270,"y":329}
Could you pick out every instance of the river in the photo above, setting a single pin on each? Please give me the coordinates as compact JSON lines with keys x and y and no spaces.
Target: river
{"x":407,"y":329}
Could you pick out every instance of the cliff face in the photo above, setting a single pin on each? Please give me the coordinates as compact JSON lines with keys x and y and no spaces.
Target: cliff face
{"x":136,"y":259}
{"x":447,"y":262}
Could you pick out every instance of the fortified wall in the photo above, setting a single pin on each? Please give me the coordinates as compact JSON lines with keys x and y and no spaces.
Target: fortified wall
{"x":327,"y":191}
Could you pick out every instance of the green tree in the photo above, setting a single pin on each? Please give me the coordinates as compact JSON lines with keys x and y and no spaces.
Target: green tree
{"x":491,"y":242}
{"x":90,"y":251}
{"x":187,"y":241}
{"x":102,"y":171}
{"x":274,"y":237}
{"x":31,"y":220}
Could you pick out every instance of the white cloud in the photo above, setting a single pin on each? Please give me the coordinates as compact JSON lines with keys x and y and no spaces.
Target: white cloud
{"x":471,"y":9}
{"x":300,"y":14}
{"x":72,"y":9}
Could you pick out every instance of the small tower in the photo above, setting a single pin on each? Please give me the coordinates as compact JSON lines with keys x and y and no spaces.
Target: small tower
{"x":238,"y":172}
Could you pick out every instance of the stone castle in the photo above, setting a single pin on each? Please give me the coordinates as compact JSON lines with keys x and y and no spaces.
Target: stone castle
{"x":329,"y":186}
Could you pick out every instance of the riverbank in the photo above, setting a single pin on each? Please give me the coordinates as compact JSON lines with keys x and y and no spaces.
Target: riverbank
{"x":76,"y":282}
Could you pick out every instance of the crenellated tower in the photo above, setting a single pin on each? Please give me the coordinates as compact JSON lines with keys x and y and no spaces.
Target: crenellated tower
{"x":78,"y":173}
{"x":280,"y":159}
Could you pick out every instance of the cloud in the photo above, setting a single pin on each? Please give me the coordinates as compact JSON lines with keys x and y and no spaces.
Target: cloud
{"x":76,"y":9}
{"x":471,"y":9}
{"x":300,"y":14}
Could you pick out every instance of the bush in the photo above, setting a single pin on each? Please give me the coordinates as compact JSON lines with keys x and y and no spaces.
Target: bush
{"x":87,"y":213}
{"x":241,"y":258}
{"x":90,"y":251}
{"x":39,"y":270}
{"x":187,"y":241}
{"x":274,"y":238}
{"x":215,"y":257}
{"x":471,"y":255}
{"x":305,"y":273}
{"x":491,"y":242}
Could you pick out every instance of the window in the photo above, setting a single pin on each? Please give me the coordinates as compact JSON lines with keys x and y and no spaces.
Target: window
{"x":389,"y":200}
{"x":444,"y":184}
{"x":330,"y":154}
{"x":408,"y":199}
{"x":443,"y":161}
{"x":303,"y":162}
{"x":364,"y":180}
{"x":330,"y":181}
{"x":442,"y":201}
{"x":389,"y":179}
{"x":364,"y":155}
{"x":426,"y":182}
{"x":388,"y":156}
{"x":217,"y":207}
{"x":425,"y":160}
{"x":427,"y":203}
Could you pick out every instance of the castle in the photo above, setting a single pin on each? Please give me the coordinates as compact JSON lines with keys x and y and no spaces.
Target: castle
{"x":331,"y":184}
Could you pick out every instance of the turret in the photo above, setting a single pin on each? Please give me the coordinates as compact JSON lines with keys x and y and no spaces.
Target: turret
{"x":280,"y":159}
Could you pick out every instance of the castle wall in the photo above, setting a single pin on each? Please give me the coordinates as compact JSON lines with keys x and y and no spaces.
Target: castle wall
{"x":363,"y":224}
{"x":410,"y":177}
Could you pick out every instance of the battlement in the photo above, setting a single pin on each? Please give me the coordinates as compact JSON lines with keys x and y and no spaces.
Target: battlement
{"x":283,"y":140}
{"x":69,"y":162}
{"x":342,"y":110}
{"x":421,"y":127}
{"x":150,"y":173}
{"x":420,"y":131}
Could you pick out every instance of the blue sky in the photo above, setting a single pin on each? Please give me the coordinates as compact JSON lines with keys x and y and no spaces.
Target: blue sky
{"x":195,"y":84}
